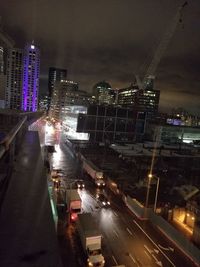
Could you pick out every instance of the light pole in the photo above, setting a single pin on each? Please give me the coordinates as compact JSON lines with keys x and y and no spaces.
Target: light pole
{"x":156,"y":197}
{"x":150,"y":177}
{"x":148,"y":189}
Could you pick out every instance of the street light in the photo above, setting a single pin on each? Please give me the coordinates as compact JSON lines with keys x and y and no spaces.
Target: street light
{"x":150,"y":177}
{"x":156,"y":197}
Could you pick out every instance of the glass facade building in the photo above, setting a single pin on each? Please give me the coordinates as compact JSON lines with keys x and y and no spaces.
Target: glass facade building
{"x":111,"y":124}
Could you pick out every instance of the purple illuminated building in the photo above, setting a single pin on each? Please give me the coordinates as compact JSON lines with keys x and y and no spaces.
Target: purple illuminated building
{"x":31,"y":66}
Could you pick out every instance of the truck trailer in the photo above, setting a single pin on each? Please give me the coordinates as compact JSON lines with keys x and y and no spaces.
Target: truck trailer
{"x":91,"y":239}
{"x":73,"y":203}
{"x":94,"y":172}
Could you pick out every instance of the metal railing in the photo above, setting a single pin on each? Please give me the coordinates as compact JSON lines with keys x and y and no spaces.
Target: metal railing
{"x":5,"y":143}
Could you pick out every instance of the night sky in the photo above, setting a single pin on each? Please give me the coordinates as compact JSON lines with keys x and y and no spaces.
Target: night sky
{"x":111,"y":40}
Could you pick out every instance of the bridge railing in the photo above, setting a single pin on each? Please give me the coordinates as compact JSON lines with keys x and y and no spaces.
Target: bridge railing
{"x":7,"y":140}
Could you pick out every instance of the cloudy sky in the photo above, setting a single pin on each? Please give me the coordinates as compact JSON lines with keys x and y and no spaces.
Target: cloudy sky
{"x":112,"y":40}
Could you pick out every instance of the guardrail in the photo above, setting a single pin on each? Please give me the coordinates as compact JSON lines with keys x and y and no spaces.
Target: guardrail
{"x":5,"y":143}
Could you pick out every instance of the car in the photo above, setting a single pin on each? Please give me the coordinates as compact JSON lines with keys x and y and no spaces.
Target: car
{"x":103,"y":199}
{"x":80,"y":184}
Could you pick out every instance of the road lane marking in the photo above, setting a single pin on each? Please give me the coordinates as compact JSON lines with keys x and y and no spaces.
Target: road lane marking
{"x":115,"y":214}
{"x":116,"y":233}
{"x":129,"y":231}
{"x":147,"y":254}
{"x":148,"y":249}
{"x":131,"y":256}
{"x":157,"y":261}
{"x":154,"y":244}
{"x":167,"y":249}
{"x":115,"y":260}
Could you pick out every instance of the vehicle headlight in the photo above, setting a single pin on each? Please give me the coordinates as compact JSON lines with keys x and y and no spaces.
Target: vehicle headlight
{"x":104,"y":203}
{"x":78,"y":185}
{"x":90,"y":263}
{"x":83,"y":185}
{"x":98,"y":183}
{"x":108,"y":202}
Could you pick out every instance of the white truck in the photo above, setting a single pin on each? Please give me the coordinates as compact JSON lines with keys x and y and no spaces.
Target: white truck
{"x":74,"y":203}
{"x":94,"y":173}
{"x":90,"y":239}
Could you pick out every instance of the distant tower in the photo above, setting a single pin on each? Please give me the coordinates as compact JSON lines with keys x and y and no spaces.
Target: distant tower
{"x":1,"y":60}
{"x":14,"y":78}
{"x":31,"y":66}
{"x":103,"y":93}
{"x":55,"y":75}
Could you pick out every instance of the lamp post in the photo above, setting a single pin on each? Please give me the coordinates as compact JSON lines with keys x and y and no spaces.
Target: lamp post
{"x":156,"y":197}
{"x":148,"y":189}
{"x":150,"y":177}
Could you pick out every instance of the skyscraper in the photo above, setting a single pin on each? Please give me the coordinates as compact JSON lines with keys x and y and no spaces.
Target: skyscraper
{"x":103,"y":93}
{"x":30,"y":87}
{"x":14,"y":78}
{"x":55,"y":75}
{"x":6,"y":43}
{"x":2,"y":79}
{"x":1,"y":60}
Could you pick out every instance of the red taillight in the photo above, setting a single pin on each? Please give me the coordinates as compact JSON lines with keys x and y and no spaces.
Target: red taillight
{"x":73,"y":216}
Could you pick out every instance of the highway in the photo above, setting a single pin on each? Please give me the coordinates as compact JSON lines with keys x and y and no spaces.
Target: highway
{"x":126,"y":240}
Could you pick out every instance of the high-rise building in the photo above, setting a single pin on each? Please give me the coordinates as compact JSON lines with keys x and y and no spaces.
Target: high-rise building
{"x":103,"y":93}
{"x":66,"y":94}
{"x":55,"y":75}
{"x":14,"y":78}
{"x":2,"y":79}
{"x":2,"y":90}
{"x":1,"y":60}
{"x":5,"y":43}
{"x":30,"y":87}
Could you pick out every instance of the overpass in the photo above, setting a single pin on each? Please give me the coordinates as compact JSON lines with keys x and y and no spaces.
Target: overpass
{"x":27,"y":232}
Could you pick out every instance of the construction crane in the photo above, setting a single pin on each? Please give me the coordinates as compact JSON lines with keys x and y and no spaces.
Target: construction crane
{"x":149,"y":77}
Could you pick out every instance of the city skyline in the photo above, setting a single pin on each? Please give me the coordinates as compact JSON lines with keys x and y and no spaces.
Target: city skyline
{"x":107,"y":41}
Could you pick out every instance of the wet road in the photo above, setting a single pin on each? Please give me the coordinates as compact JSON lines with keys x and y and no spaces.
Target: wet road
{"x":125,"y":239}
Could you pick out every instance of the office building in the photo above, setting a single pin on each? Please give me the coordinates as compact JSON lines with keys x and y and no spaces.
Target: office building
{"x":1,"y":60}
{"x":30,"y":87}
{"x":110,"y":124}
{"x":2,"y":90}
{"x":103,"y":93}
{"x":14,"y":78}
{"x":55,"y":75}
{"x":2,"y":79}
{"x":127,"y":96}
{"x":140,"y":100}
{"x":66,"y":94}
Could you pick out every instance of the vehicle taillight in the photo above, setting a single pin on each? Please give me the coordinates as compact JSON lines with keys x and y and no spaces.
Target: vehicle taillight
{"x":73,"y":217}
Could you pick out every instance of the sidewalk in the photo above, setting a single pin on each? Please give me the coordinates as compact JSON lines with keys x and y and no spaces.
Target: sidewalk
{"x":27,"y":232}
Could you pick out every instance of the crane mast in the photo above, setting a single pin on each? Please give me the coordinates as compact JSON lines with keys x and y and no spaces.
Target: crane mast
{"x":150,"y":74}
